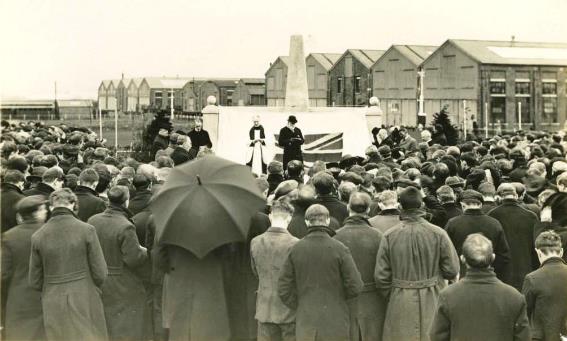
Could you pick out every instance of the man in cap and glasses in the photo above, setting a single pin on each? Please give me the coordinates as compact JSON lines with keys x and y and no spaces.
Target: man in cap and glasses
{"x":24,"y":317}
{"x":291,"y":139}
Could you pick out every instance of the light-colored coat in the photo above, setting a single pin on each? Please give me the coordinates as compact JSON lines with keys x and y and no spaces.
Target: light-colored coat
{"x":269,"y":252}
{"x":414,"y":260}
{"x":68,"y":266}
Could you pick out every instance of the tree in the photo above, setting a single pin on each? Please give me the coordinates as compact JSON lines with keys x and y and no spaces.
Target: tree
{"x":442,"y":124}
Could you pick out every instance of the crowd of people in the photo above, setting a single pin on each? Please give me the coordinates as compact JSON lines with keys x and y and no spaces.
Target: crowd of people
{"x":415,"y":240}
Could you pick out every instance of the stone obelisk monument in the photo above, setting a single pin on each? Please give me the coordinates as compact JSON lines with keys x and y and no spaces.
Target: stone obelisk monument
{"x":296,"y":94}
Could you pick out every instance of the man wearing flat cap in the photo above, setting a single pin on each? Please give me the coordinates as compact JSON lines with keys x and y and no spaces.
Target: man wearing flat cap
{"x":518,"y":224}
{"x":291,"y":139}
{"x":24,"y":316}
{"x":474,"y":220}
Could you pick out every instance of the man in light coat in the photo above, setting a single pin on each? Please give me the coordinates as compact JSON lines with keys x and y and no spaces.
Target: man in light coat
{"x":123,"y":293}
{"x":67,"y":265}
{"x":480,"y":306}
{"x":367,"y":310}
{"x":269,"y":251}
{"x":414,"y":262}
{"x":317,"y":279}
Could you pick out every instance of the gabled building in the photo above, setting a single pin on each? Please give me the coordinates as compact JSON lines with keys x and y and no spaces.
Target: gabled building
{"x":501,"y":83}
{"x":155,"y":93}
{"x":102,"y":95}
{"x":196,"y":91}
{"x":250,"y":92}
{"x":122,"y":94}
{"x":133,"y":95}
{"x":276,"y":78}
{"x":350,"y":78}
{"x":318,"y":67}
{"x":111,"y":95}
{"x":396,"y":82}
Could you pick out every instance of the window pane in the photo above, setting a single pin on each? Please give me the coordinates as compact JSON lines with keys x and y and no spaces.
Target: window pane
{"x":339,"y":84}
{"x":357,"y":84}
{"x":550,"y":109}
{"x":549,"y":88}
{"x":498,"y":109}
{"x":498,"y":88}
{"x":522,"y":88}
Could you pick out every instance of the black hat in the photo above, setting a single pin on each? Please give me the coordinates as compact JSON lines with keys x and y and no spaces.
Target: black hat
{"x":36,"y":173}
{"x":292,"y":119}
{"x":348,"y":161}
{"x":470,"y":195}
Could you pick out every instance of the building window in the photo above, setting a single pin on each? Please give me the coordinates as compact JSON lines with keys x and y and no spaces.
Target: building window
{"x":340,"y":85}
{"x":395,"y":107}
{"x":497,"y":88}
{"x":157,"y":94}
{"x":523,"y":88}
{"x":498,"y":109}
{"x":357,"y":84}
{"x":525,"y":107}
{"x":550,"y":110}
{"x":549,"y":88}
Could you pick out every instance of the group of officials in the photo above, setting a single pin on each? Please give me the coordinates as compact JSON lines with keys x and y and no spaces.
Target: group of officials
{"x":416,"y":241}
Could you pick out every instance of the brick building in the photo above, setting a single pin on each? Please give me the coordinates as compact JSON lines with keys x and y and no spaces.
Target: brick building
{"x":133,"y":95}
{"x":196,"y":91}
{"x":155,"y":93}
{"x":395,"y":82}
{"x":318,"y":66}
{"x":500,"y":81}
{"x":111,"y":95}
{"x":276,"y":77}
{"x":350,"y":78}
{"x":250,"y":92}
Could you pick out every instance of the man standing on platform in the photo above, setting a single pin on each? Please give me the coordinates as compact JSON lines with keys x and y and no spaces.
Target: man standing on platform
{"x":290,"y":140}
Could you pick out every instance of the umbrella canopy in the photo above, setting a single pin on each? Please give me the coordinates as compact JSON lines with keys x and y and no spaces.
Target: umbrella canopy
{"x":206,"y":203}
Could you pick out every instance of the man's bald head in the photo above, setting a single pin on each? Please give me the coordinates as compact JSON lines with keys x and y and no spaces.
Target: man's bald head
{"x":477,"y":251}
{"x":359,"y":203}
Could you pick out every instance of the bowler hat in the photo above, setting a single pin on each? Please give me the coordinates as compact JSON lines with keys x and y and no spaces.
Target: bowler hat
{"x":292,"y":119}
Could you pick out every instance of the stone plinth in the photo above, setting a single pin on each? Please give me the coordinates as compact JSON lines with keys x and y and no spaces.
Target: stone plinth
{"x":296,"y":95}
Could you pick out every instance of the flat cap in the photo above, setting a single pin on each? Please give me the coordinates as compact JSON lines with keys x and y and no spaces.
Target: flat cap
{"x":470,"y":195}
{"x":29,"y":204}
{"x":454,"y":181}
{"x":506,"y":189}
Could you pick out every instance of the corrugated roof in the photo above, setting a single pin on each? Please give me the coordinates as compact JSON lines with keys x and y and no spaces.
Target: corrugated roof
{"x":75,"y":103}
{"x":415,"y":53}
{"x":225,"y":82}
{"x":366,"y":57}
{"x":327,"y":60}
{"x":513,"y":52}
{"x":284,"y":59}
{"x":166,"y":83}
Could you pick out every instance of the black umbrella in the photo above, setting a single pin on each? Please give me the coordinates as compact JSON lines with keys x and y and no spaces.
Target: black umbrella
{"x":206,"y":203}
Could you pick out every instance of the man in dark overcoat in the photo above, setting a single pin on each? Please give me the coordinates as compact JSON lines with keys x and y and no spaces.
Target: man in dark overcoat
{"x":368,"y":309}
{"x":324,"y":184}
{"x":24,"y":317}
{"x":123,"y":293}
{"x":475,"y":221}
{"x":52,"y":180}
{"x":546,"y":290}
{"x":291,"y":139}
{"x":11,"y":192}
{"x":480,"y":307}
{"x":67,"y":265}
{"x":199,"y":138}
{"x":89,"y":201}
{"x":518,"y":224}
{"x":317,"y":279}
{"x":414,"y":262}
{"x":141,"y":199}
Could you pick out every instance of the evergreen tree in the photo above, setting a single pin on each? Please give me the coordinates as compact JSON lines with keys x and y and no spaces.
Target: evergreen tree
{"x":443,"y":123}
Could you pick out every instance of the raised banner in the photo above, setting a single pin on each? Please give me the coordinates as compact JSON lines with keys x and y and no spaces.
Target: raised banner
{"x":329,"y":133}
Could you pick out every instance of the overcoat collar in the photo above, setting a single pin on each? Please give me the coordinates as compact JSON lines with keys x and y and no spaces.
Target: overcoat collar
{"x":277,"y":230}
{"x":473,"y":211}
{"x":553,"y":260}
{"x":390,"y":211}
{"x":62,"y":211}
{"x":483,"y":276}
{"x":85,"y":189}
{"x":357,"y":221}
{"x":7,"y":186}
{"x":116,"y":209}
{"x":320,"y":230}
{"x":412,"y":214}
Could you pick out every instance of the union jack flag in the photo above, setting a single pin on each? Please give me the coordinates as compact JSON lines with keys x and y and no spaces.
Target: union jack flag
{"x":323,"y":147}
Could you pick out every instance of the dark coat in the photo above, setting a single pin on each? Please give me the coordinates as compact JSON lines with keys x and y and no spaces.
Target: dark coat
{"x":317,"y":279}
{"x":518,"y":224}
{"x":558,"y":204}
{"x":123,"y":293}
{"x":480,"y":307}
{"x":487,"y":206}
{"x":367,"y":311}
{"x":414,"y":260}
{"x":10,"y":194}
{"x":291,"y":141}
{"x":385,"y":220}
{"x":200,"y":139}
{"x":140,"y":201}
{"x":67,"y":265}
{"x":409,"y":144}
{"x":24,"y":317}
{"x":181,"y":155}
{"x":40,"y":189}
{"x":337,"y":209}
{"x":546,"y":295}
{"x":274,"y":180}
{"x":474,"y":221}
{"x":297,"y":226}
{"x":89,"y":203}
{"x":453,"y":210}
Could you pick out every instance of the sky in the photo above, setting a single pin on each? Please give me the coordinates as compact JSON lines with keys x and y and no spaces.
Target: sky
{"x":78,"y":43}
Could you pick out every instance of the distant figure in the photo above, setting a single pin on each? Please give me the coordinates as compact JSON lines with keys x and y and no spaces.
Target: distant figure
{"x":414,"y":262}
{"x":67,"y":265}
{"x":480,"y":307}
{"x":257,"y":159}
{"x":199,"y":138}
{"x":317,"y":279}
{"x":408,"y":144}
{"x":546,"y":290}
{"x":269,"y":251}
{"x":290,"y":140}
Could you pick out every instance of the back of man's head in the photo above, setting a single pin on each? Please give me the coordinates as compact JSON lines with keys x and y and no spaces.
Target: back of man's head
{"x":118,"y":195}
{"x":294,"y":169}
{"x":281,"y":209}
{"x":477,"y":251}
{"x":62,"y":198}
{"x":487,"y":189}
{"x":317,"y":215}
{"x":381,"y":183}
{"x":141,"y":182}
{"x":14,"y":177}
{"x":346,"y":189}
{"x":306,"y":192}
{"x":388,"y":199}
{"x":88,"y":177}
{"x":410,"y":198}
{"x":549,"y":242}
{"x":446,"y":194}
{"x":359,"y":203}
{"x":275,"y":167}
{"x":323,"y":183}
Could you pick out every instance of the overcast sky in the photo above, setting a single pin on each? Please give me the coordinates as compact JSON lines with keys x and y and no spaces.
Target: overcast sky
{"x":80,"y":42}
